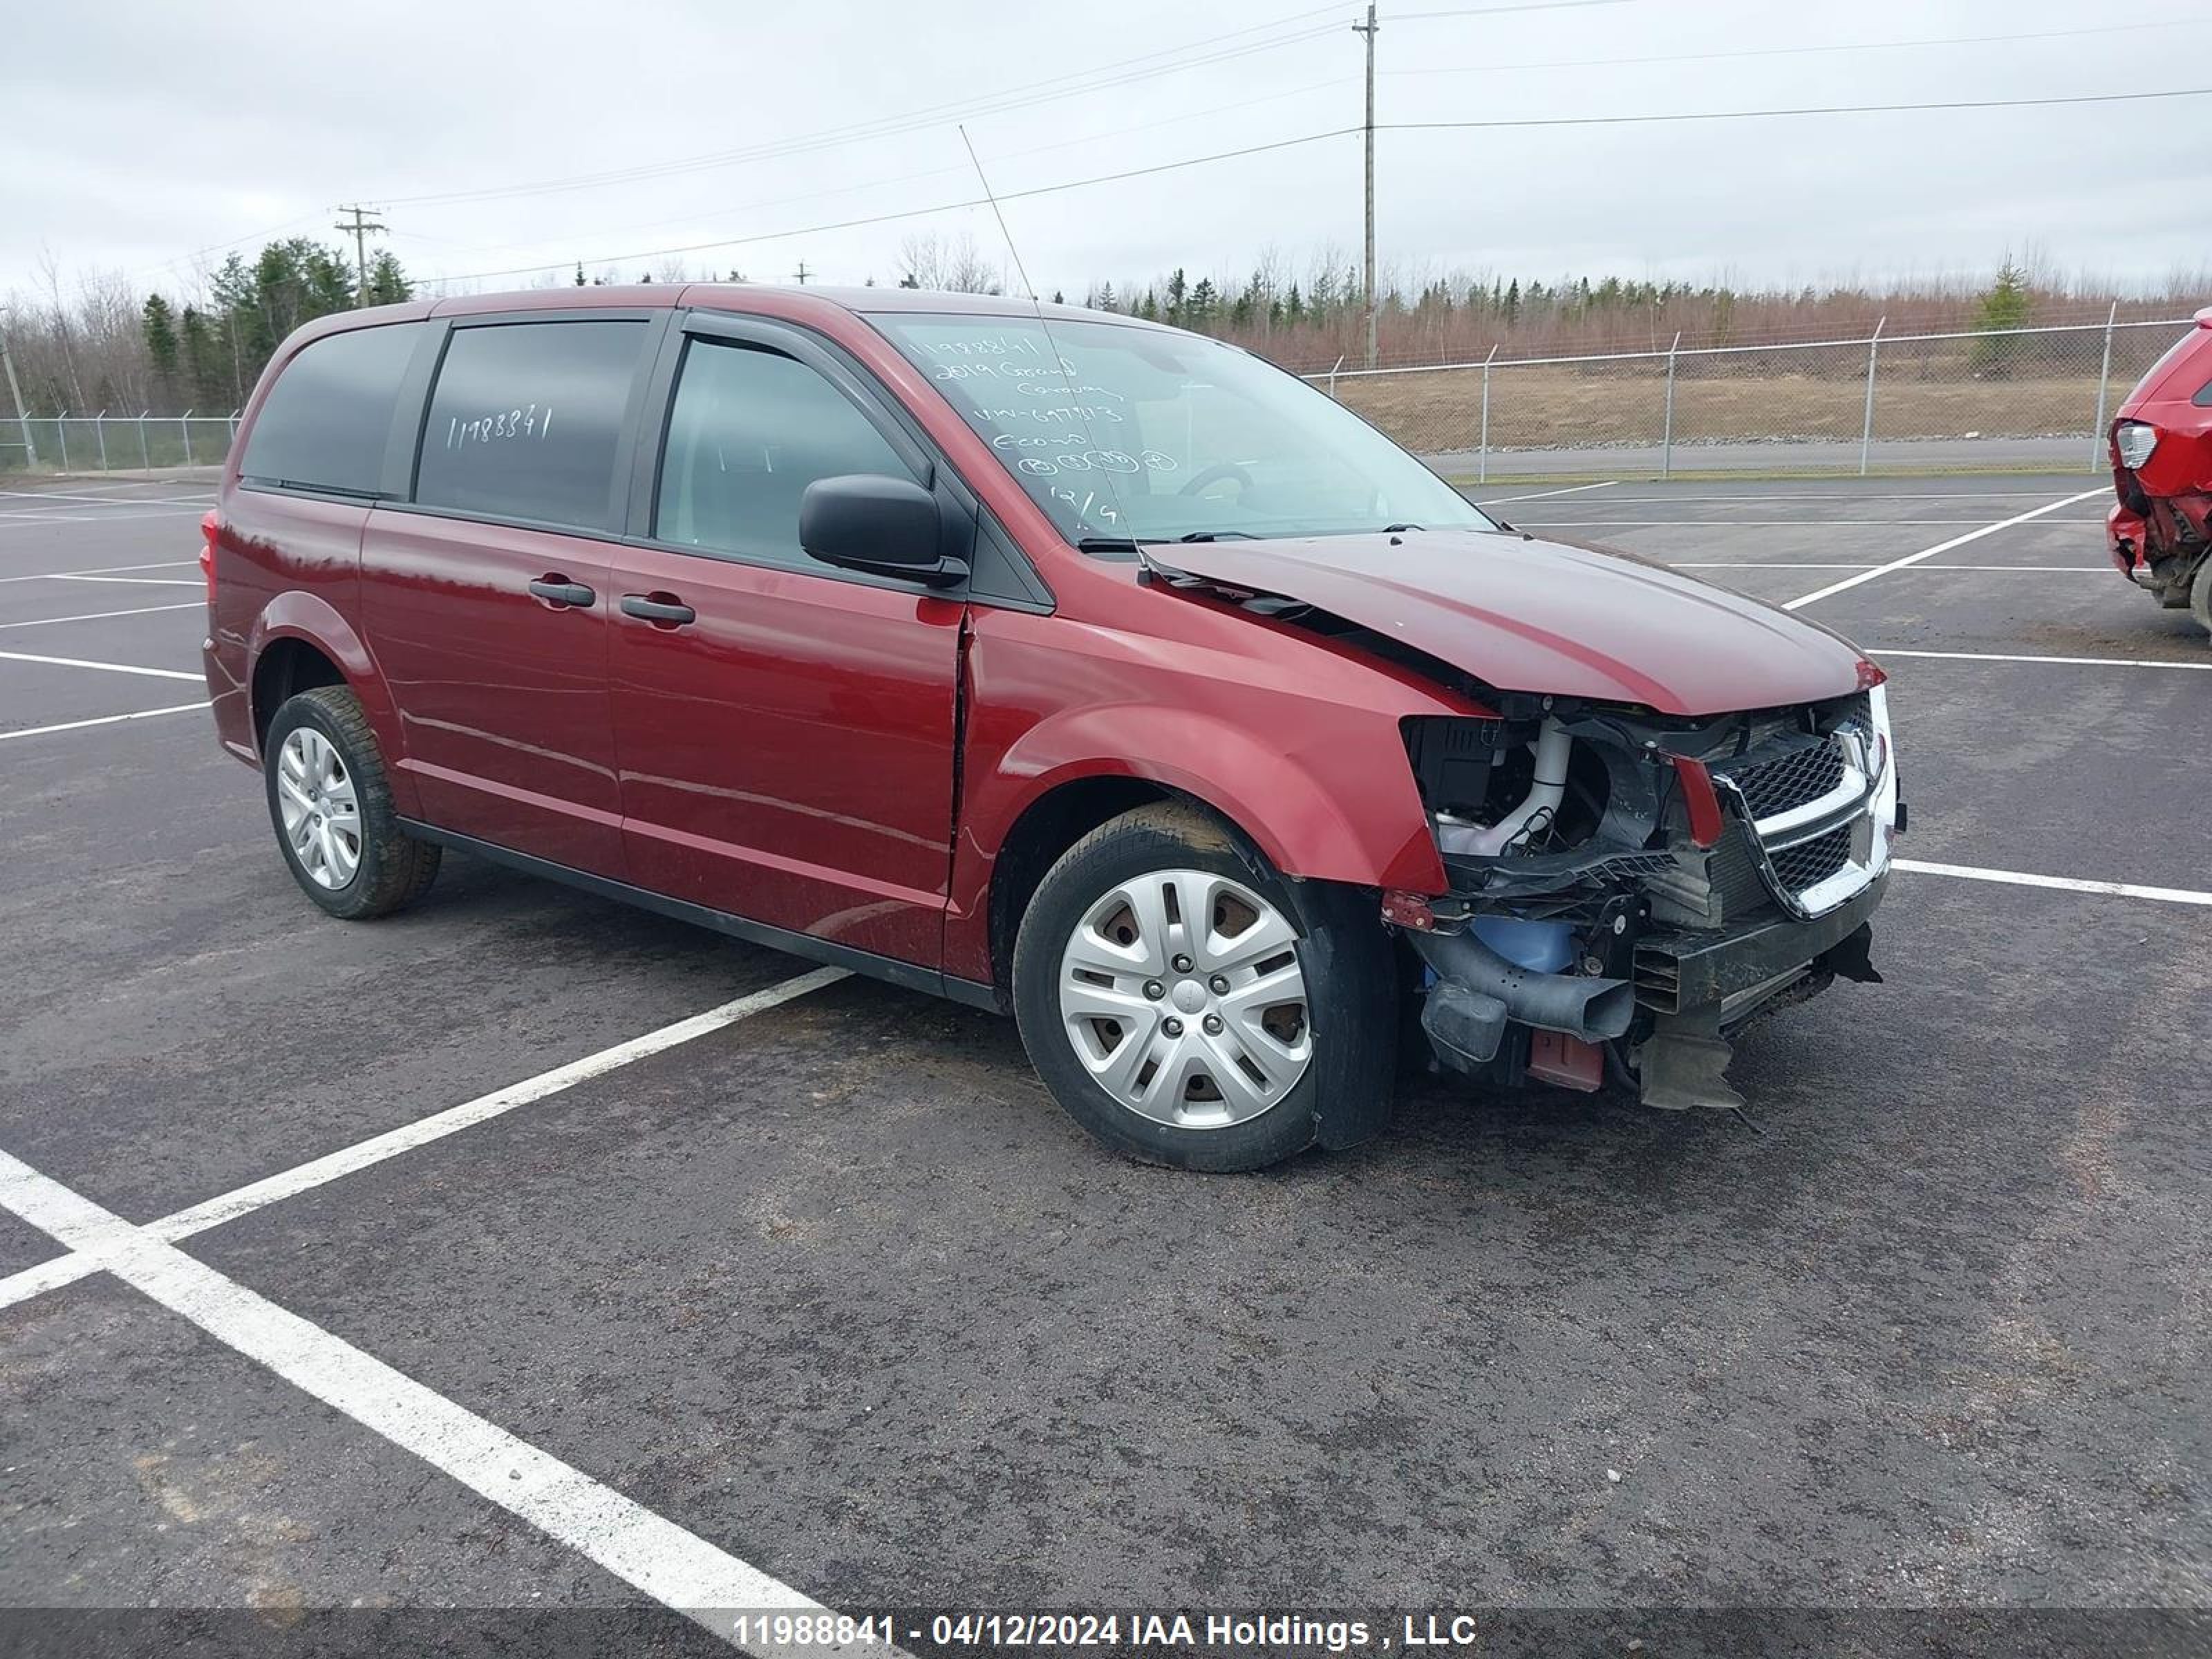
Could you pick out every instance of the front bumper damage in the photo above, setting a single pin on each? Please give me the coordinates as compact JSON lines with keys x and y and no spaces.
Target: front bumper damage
{"x":1641,"y":963}
{"x":1690,"y":994}
{"x":1703,"y":990}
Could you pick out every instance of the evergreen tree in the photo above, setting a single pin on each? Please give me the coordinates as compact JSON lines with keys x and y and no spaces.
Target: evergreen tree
{"x":163,"y":349}
{"x":205,"y":380}
{"x":387,"y":283}
{"x":2004,"y":306}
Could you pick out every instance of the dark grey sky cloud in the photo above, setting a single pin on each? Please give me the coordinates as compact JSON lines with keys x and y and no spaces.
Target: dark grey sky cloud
{"x":145,"y":137}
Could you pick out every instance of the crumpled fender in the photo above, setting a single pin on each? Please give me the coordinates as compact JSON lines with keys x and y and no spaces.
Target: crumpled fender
{"x":1318,"y":809}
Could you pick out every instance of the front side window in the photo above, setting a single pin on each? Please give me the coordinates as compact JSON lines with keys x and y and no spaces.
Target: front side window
{"x":750,"y":429}
{"x":325,"y":423}
{"x":1119,"y":431}
{"x":527,"y":420}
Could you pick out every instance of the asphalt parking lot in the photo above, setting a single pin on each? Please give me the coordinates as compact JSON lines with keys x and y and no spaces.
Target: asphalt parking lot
{"x":824,"y":1289}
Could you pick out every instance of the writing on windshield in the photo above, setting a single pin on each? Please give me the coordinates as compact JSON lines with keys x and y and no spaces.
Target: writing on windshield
{"x":1123,"y":430}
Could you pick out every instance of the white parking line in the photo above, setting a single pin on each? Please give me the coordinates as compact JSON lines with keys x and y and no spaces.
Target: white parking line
{"x":1543,"y":495}
{"x":103,"y":616}
{"x":131,"y":581}
{"x":27,"y":520}
{"x":105,"y":667}
{"x":1834,"y":495}
{"x":2064,"y":883}
{"x":107,"y":501}
{"x":104,"y":720}
{"x":673,"y":1565}
{"x":103,"y":570}
{"x":1917,"y":570}
{"x":1748,"y":524}
{"x":2071,"y":662}
{"x":1926,"y":553}
{"x":244,"y":1201}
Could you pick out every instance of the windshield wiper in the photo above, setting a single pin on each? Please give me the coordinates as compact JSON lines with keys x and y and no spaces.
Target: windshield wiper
{"x":1107,"y":544}
{"x":1218,"y":536}
{"x":1393,"y":529}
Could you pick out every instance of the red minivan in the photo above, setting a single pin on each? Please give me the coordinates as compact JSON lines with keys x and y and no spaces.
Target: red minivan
{"x":2159,"y":530}
{"x":1047,"y":659}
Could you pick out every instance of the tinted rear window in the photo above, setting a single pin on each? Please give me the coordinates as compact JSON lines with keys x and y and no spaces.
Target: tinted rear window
{"x":325,"y":421}
{"x":527,"y":420}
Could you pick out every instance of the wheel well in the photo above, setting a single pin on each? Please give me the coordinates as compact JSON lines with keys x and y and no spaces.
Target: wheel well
{"x":287,"y":668}
{"x":1052,"y":823}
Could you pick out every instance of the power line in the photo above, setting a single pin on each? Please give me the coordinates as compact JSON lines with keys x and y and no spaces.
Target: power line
{"x":1787,"y":52}
{"x":1121,"y":72}
{"x":1491,"y":11}
{"x":1319,"y":138}
{"x":905,"y":213}
{"x":1819,"y":109}
{"x":1210,"y":113}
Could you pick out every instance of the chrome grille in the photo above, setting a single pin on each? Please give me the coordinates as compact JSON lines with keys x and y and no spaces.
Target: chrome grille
{"x":1812,"y":862}
{"x":1804,"y":774}
{"x":1806,"y":803}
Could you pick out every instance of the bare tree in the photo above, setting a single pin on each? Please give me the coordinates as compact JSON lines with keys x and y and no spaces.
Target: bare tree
{"x":953,"y":265}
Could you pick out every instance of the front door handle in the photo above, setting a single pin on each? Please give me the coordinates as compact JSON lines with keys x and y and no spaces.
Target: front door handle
{"x":555,"y":592}
{"x":673,"y":611}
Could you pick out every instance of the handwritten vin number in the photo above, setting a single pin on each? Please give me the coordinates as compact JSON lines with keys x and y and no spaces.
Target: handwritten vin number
{"x":501,"y":427}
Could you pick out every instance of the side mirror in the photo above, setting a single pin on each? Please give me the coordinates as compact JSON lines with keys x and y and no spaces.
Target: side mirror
{"x":888,"y":527}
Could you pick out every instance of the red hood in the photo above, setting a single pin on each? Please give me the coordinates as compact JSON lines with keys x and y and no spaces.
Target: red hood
{"x":1554,"y":617}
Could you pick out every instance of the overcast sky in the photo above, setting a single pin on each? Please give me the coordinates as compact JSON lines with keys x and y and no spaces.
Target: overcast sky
{"x":142,"y":137}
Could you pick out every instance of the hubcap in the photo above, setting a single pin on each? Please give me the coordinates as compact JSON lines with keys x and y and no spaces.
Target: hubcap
{"x":322,"y":816}
{"x":1229,"y":1038}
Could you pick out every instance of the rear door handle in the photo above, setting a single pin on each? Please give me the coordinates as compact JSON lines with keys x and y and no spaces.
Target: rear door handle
{"x":555,"y":592}
{"x":657,"y":611}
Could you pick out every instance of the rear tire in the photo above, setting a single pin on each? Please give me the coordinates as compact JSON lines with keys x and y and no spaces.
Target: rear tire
{"x":330,"y":803}
{"x":1284,"y":993}
{"x":2200,"y":594}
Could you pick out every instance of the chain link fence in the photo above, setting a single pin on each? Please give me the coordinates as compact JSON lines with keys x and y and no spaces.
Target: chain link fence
{"x":2022,"y":400}
{"x":114,"y":443}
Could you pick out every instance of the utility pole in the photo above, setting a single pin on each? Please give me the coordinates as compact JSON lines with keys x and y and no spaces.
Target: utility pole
{"x":361,"y":227}
{"x":15,"y":391}
{"x":1368,"y":29}
{"x":802,"y":273}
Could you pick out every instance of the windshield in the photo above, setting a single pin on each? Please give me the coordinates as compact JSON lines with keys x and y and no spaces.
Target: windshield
{"x":1123,"y":432}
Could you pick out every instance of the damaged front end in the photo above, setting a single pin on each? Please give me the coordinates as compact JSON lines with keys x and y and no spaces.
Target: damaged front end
{"x":1627,"y":891}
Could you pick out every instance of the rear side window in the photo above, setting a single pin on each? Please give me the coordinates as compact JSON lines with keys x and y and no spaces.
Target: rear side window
{"x":749,"y":431}
{"x":324,"y":423}
{"x":527,"y":420}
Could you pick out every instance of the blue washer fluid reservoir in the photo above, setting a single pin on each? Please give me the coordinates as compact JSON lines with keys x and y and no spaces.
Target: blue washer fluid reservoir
{"x":1542,"y":947}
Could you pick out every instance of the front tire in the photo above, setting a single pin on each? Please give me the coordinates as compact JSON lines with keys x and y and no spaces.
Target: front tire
{"x":330,"y":803}
{"x":1189,"y":1007}
{"x":2200,"y":594}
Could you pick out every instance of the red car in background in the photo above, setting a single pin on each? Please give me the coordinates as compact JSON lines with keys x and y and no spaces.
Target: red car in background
{"x":2160,"y":528}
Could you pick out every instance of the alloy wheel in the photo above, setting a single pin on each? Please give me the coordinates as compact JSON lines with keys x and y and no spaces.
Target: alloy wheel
{"x":321,"y":812}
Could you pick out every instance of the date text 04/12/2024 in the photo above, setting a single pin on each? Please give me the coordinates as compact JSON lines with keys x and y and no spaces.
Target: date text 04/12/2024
{"x":1260,"y":1632}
